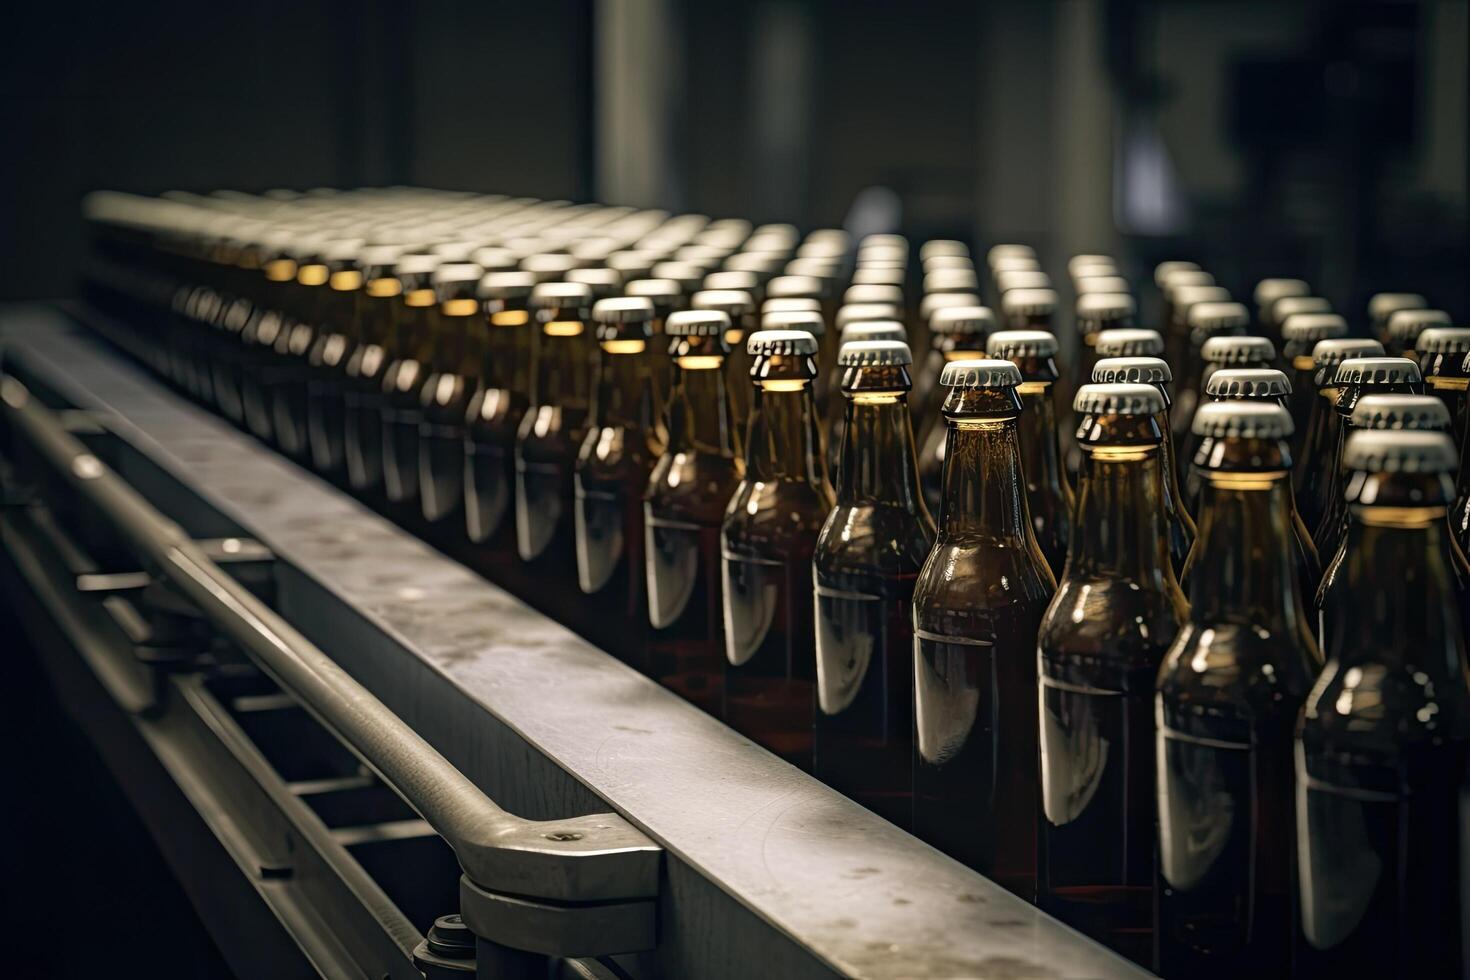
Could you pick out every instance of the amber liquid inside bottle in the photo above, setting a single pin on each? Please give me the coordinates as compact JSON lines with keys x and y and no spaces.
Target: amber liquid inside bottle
{"x":1116,"y":611}
{"x":403,"y":381}
{"x":444,"y":398}
{"x":933,"y":436}
{"x":1381,"y":751}
{"x":977,"y":607}
{"x":1229,"y":693}
{"x":549,"y":439}
{"x":288,"y":376}
{"x":326,"y":409}
{"x":492,"y":419}
{"x":766,"y":544}
{"x":866,"y":562}
{"x":685,"y":503}
{"x":1048,"y":493}
{"x":363,"y":397}
{"x":258,"y":342}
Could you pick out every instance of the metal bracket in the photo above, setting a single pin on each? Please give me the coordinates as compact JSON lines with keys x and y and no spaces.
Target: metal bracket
{"x":556,"y":929}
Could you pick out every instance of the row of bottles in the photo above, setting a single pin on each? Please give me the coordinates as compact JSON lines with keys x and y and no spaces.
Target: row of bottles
{"x":1160,"y":641}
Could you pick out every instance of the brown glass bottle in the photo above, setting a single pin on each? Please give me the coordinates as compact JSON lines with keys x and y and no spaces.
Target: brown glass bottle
{"x":683,"y":508}
{"x":1208,"y":320}
{"x":326,"y":360}
{"x":1221,"y":354}
{"x":667,"y":297}
{"x":444,"y":397}
{"x":854,"y":330}
{"x":403,"y":380}
{"x":977,"y":606}
{"x":1381,"y":747}
{"x":1048,"y":494}
{"x":766,"y":542}
{"x":1171,"y":277}
{"x":290,"y":374}
{"x":553,"y":426}
{"x":268,"y":321}
{"x":740,"y":306}
{"x":1312,"y":479}
{"x":866,"y":560}
{"x":1228,"y":696}
{"x":1153,"y":371}
{"x":1101,"y":642}
{"x":377,"y":313}
{"x":625,"y":436}
{"x":926,"y":338}
{"x":1095,"y":313}
{"x":495,"y":408}
{"x":957,"y":333}
{"x":1300,"y":333}
{"x":1442,"y":353}
{"x":1355,"y":378}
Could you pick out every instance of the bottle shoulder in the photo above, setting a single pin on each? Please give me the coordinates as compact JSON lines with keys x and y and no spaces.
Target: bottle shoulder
{"x":1247,"y":666}
{"x":1112,"y":619}
{"x":887,"y":536}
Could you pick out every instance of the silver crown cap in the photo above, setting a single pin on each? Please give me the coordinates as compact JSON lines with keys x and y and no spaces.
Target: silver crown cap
{"x":804,"y":287}
{"x":858,"y":312}
{"x":934,"y":302}
{"x":1008,"y":251}
{"x":873,"y":330}
{"x":873,"y":294}
{"x":654,"y":289}
{"x":1236,"y":383}
{"x":1140,"y":370}
{"x":1406,"y":325}
{"x":1382,"y":305}
{"x":1238,"y":350}
{"x":1022,"y":279}
{"x":1021,"y":343}
{"x":1269,"y":291}
{"x":943,"y":246}
{"x":561,"y":294}
{"x":1104,"y":307}
{"x":980,"y":373}
{"x":868,"y":353}
{"x":807,"y":321}
{"x":1380,"y":451}
{"x":951,"y":281}
{"x":623,"y":309}
{"x":763,"y":342}
{"x":730,"y":301}
{"x":1029,"y":302}
{"x":1242,"y":420}
{"x":1377,"y":370}
{"x":697,"y":323}
{"x":1215,"y":315}
{"x":732,"y":279}
{"x":505,"y":285}
{"x":1443,"y":340}
{"x":1401,"y":412}
{"x":1186,"y":279}
{"x":1129,"y":342}
{"x":1118,"y":399}
{"x":1313,"y":326}
{"x":1165,"y":271}
{"x":1331,"y":353}
{"x":957,"y":320}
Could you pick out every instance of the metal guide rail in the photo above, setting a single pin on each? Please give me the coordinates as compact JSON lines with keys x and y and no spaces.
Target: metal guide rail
{"x":332,"y":703}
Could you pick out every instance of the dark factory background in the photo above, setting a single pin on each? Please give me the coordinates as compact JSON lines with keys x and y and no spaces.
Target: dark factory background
{"x":1320,"y":140}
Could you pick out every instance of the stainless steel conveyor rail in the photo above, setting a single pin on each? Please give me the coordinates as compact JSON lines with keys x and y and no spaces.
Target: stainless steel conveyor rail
{"x":764,"y":871}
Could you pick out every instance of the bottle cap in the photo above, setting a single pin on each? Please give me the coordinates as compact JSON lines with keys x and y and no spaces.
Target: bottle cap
{"x":415,"y":265}
{"x":1029,"y":302}
{"x":1129,"y":342}
{"x":1138,"y":370}
{"x":871,"y":275}
{"x":659,"y":291}
{"x":1212,"y":317}
{"x":1248,"y":383}
{"x":787,"y":304}
{"x":603,"y":282}
{"x":732,"y":302}
{"x":1405,"y":326}
{"x":980,"y":373}
{"x":1399,"y":452}
{"x":632,"y":264}
{"x":1242,"y":420}
{"x":951,"y":281}
{"x":1102,"y":284}
{"x":953,"y":321}
{"x":858,"y":312}
{"x":622,"y":309}
{"x":874,"y":353}
{"x":1328,"y":354}
{"x":456,"y":273}
{"x":493,"y":258}
{"x":873,"y":330}
{"x":760,"y":263}
{"x":824,"y":270}
{"x":1238,"y":350}
{"x":1401,"y":412}
{"x":697,"y":323}
{"x":873,"y":294}
{"x":1383,"y":305}
{"x":807,"y":321}
{"x":936,"y":262}
{"x":1008,"y":251}
{"x":1443,"y":340}
{"x":548,"y":265}
{"x":1187,"y":279}
{"x":1268,"y":291}
{"x":688,"y":275}
{"x":1079,"y":262}
{"x":943,"y":247}
{"x":506,"y":285}
{"x":1375,"y":371}
{"x":1118,"y":399}
{"x":1308,"y":328}
{"x":1022,"y":279}
{"x":561,"y":295}
{"x":1165,"y":271}
{"x":1014,"y":263}
{"x":1289,"y":306}
{"x":1021,"y":343}
{"x":797,"y":287}
{"x":732,"y":279}
{"x":935,"y":302}
{"x":763,"y":343}
{"x":1099,"y":311}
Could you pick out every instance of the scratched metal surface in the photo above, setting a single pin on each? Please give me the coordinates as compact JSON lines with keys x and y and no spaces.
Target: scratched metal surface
{"x":769,"y":871}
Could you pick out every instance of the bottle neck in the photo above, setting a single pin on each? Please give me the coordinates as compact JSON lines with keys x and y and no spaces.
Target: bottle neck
{"x":784,"y":443}
{"x":983,"y":483}
{"x":699,"y":407}
{"x":624,"y":395}
{"x":451,"y":342}
{"x":507,"y":363}
{"x":561,"y":368}
{"x":1245,"y":568}
{"x":1120,"y":530}
{"x":878,"y":463}
{"x":1040,"y":457}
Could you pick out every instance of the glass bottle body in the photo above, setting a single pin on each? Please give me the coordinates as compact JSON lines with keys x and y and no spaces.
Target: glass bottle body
{"x":547,"y":443}
{"x":1048,"y":493}
{"x":444,"y":399}
{"x":492,"y":419}
{"x":402,"y":407}
{"x":326,"y":409}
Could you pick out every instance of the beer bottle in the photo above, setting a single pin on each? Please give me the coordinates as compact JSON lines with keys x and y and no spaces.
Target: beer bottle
{"x":734,"y":281}
{"x":1020,"y":279}
{"x":977,"y":606}
{"x":1405,"y":326}
{"x":1154,"y":371}
{"x":326,"y":360}
{"x":1170,"y":277}
{"x":1128,"y":342}
{"x":1228,"y":696}
{"x":1084,"y":265}
{"x":739,"y":306}
{"x":766,"y":543}
{"x":1207,"y":320}
{"x":690,"y":485}
{"x":1101,"y":642}
{"x":667,"y":297}
{"x":554,"y":423}
{"x":288,"y":376}
{"x":993,"y":255}
{"x":1355,"y":378}
{"x":880,"y":275}
{"x":854,"y":330}
{"x":1442,"y":353}
{"x":689,"y":276}
{"x":1380,"y":754}
{"x":1300,"y":333}
{"x":376,"y":314}
{"x":444,"y":396}
{"x":1048,"y":494}
{"x":268,"y":322}
{"x":931,"y":340}
{"x":1097,"y":312}
{"x":1286,"y":307}
{"x":957,"y":333}
{"x":1029,"y":309}
{"x":1313,"y":474}
{"x":1111,"y":283}
{"x":859,"y":294}
{"x":1219,"y":353}
{"x":1381,"y":306}
{"x":867,"y":558}
{"x":1266,"y":293}
{"x":496,"y":407}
